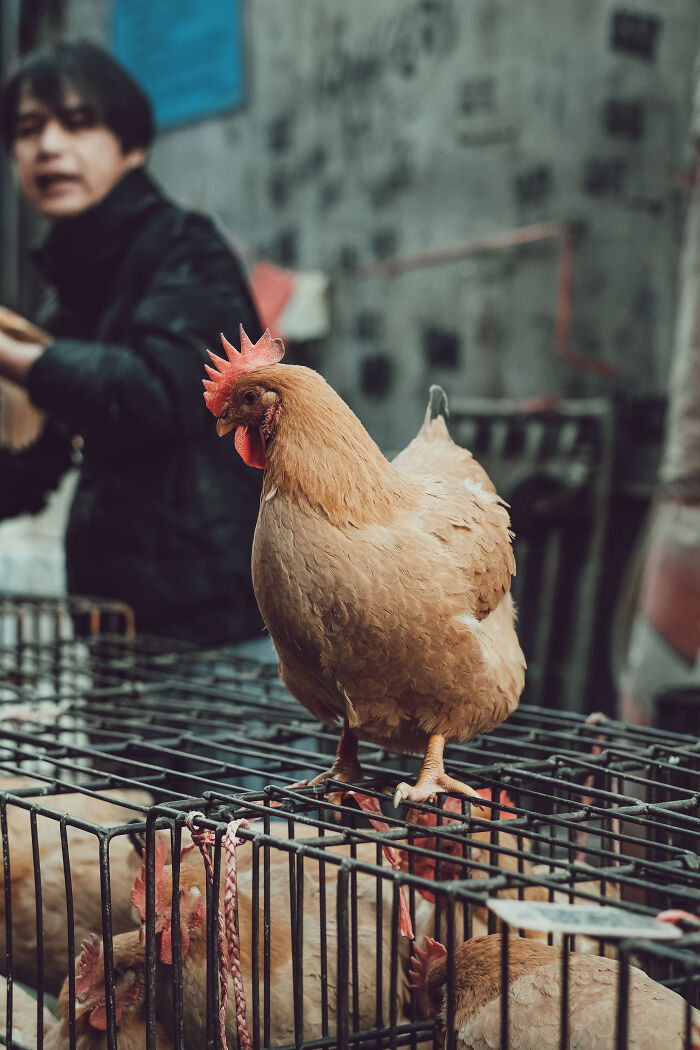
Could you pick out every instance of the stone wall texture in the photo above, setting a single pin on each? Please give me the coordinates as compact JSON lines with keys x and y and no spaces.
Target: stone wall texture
{"x":411,"y":130}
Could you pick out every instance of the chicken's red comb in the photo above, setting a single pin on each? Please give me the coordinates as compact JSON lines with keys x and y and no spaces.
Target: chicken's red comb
{"x":85,"y":967}
{"x":217,"y":389}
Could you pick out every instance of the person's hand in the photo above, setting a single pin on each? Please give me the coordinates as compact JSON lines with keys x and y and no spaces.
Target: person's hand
{"x":16,"y":358}
{"x":18,"y":327}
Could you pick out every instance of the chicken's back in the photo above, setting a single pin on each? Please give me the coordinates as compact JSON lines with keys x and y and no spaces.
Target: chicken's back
{"x":433,"y":445}
{"x":656,"y":1014}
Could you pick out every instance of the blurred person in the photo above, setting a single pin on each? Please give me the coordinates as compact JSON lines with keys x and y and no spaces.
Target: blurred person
{"x":658,"y":616}
{"x":163,"y":514}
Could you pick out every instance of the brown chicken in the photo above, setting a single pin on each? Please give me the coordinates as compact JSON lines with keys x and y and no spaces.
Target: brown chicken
{"x":318,"y":979}
{"x":83,"y":851}
{"x":656,"y":1015}
{"x":129,"y":957}
{"x":385,"y":586}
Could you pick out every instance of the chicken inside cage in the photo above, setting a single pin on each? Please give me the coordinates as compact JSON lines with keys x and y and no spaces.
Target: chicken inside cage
{"x":167,"y":883}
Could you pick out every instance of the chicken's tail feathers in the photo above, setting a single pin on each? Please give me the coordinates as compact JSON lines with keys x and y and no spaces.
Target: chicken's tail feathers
{"x":437,"y":404}
{"x":434,"y":426}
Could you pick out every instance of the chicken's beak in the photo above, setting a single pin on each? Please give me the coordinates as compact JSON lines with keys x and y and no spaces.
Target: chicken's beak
{"x":224,"y":426}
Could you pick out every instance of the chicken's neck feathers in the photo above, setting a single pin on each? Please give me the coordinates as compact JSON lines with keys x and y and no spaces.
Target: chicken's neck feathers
{"x":322,"y":455}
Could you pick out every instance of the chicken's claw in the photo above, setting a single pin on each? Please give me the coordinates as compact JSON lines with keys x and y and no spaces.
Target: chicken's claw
{"x":433,"y":779}
{"x":335,"y":797}
{"x":346,"y":775}
{"x":426,"y":789}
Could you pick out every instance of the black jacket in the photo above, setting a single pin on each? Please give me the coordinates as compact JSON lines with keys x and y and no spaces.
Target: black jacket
{"x":164,"y":511}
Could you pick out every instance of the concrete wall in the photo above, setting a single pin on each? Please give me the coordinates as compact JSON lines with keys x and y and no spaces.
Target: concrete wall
{"x":384,"y":128}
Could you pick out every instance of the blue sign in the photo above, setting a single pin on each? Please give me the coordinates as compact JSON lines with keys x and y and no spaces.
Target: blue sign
{"x":186,"y":54}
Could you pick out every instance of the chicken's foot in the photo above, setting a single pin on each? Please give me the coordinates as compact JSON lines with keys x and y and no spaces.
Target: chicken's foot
{"x":433,"y":779}
{"x":346,"y":766}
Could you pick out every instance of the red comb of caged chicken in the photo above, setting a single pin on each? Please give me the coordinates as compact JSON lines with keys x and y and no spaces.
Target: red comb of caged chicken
{"x":90,"y":979}
{"x":425,"y":866}
{"x":128,"y":970}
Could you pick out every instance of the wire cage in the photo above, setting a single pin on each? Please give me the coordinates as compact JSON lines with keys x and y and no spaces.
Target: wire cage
{"x":265,"y":912}
{"x":34,"y":619}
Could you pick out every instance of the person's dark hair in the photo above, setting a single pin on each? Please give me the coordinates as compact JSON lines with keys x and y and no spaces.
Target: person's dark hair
{"x":120,"y":104}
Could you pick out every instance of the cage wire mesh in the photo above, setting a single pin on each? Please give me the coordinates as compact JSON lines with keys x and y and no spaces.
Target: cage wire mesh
{"x":553,"y":463}
{"x":269,"y":913}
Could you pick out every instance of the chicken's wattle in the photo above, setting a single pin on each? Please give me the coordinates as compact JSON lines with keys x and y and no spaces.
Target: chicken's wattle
{"x":98,"y":1017}
{"x":250,"y":446}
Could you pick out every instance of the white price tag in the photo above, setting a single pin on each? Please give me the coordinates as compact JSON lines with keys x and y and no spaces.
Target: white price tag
{"x":592,"y":920}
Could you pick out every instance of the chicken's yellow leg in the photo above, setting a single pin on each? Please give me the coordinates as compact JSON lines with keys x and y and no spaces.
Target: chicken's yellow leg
{"x":433,"y":779}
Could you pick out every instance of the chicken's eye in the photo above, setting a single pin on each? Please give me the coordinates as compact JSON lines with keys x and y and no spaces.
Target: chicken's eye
{"x":249,"y":397}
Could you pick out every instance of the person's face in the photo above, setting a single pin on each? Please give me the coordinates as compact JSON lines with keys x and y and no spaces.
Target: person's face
{"x":64,"y":161}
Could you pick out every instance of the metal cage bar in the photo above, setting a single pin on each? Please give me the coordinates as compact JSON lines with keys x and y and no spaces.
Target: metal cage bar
{"x":606,"y":815}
